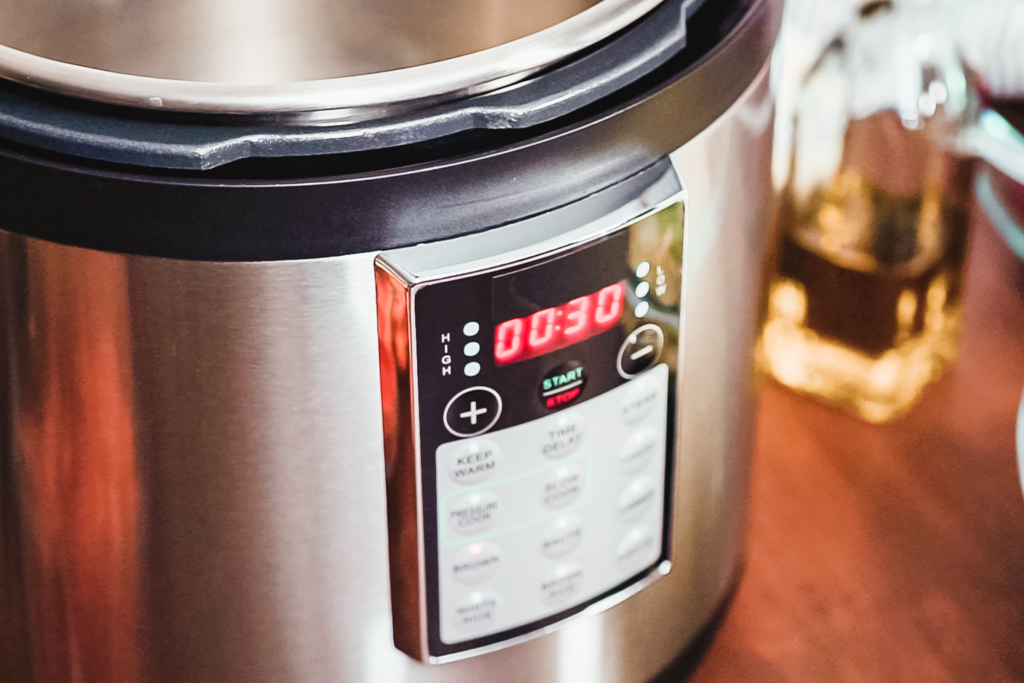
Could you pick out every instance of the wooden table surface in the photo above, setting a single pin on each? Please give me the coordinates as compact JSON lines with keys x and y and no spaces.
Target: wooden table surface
{"x":895,"y":552}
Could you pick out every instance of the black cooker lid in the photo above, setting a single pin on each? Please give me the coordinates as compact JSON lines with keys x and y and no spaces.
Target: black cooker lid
{"x":156,"y":138}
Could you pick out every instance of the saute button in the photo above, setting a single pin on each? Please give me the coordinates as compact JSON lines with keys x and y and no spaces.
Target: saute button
{"x":563,"y":486}
{"x":640,"y":399}
{"x":641,"y":350}
{"x":478,"y":611}
{"x":473,"y":461}
{"x":635,"y":547}
{"x":638,"y":449}
{"x":562,"y":536}
{"x":476,"y":562}
{"x":637,"y":498}
{"x":472,"y":513}
{"x":562,"y":434}
{"x":561,"y":584}
{"x":472,"y":411}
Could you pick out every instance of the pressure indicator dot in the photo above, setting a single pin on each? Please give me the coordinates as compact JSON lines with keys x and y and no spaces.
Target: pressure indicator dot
{"x":643,"y":289}
{"x":641,"y":309}
{"x":471,"y":349}
{"x":471,"y":328}
{"x":472,"y":369}
{"x":642,"y":269}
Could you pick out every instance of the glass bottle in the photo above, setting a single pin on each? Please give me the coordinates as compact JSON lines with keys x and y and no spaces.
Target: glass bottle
{"x":864,"y":306}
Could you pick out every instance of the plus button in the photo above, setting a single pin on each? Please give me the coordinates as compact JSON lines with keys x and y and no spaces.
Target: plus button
{"x":472,"y":411}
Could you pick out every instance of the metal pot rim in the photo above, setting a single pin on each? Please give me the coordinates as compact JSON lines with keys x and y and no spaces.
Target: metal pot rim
{"x":358,"y":97}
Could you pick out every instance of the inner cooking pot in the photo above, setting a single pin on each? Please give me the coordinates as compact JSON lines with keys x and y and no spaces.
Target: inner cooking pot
{"x":240,"y":56}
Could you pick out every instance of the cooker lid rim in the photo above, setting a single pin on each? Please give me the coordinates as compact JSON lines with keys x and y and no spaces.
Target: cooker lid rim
{"x":349,"y":98}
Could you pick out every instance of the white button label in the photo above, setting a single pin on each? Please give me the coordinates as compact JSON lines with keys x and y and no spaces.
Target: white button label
{"x":561,"y":584}
{"x":637,"y":498}
{"x":636,"y":545}
{"x":641,"y":397}
{"x":476,"y":562}
{"x":473,"y":461}
{"x":478,"y":611}
{"x":473,"y":513}
{"x":562,"y":536}
{"x":563,"y":486}
{"x":562,"y":435}
{"x":638,"y":449}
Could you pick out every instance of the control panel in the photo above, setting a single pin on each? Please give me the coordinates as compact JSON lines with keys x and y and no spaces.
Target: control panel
{"x":529,"y":407}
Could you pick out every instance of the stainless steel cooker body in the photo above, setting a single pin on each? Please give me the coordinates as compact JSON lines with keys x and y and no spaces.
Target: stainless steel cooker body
{"x":201,"y":478}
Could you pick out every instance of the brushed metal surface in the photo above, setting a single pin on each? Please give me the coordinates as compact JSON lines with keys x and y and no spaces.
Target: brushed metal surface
{"x":192,"y":477}
{"x":260,"y":56}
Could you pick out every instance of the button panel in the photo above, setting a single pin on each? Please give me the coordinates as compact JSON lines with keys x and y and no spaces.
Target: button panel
{"x":571,"y":507}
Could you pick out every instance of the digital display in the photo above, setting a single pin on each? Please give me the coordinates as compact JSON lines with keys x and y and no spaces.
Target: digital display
{"x":559,"y":326}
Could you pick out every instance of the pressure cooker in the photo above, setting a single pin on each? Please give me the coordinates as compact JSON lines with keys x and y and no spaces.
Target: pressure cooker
{"x":375,"y":341}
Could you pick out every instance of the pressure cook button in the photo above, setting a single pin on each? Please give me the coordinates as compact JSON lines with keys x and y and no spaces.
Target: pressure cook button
{"x":634,"y":547}
{"x":476,"y":562}
{"x":563,"y":486}
{"x":562,"y":435}
{"x":561,"y":584}
{"x":562,"y":536}
{"x":638,"y":449}
{"x":640,"y":399}
{"x":478,"y":611}
{"x":474,"y":512}
{"x":473,"y":461}
{"x":637,"y":498}
{"x":641,"y":350}
{"x":472,"y":411}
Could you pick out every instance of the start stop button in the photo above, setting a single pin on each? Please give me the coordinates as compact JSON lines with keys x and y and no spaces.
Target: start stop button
{"x":563,"y":384}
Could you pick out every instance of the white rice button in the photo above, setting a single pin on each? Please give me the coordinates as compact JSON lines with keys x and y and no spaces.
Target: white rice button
{"x":563,"y":486}
{"x":474,"y":512}
{"x":636,"y":547}
{"x":637,"y":498}
{"x":561,"y":584}
{"x":641,"y":397}
{"x":476,"y":562}
{"x":562,"y":434}
{"x":561,"y":536}
{"x":473,"y":461}
{"x":638,"y":449}
{"x":478,"y":611}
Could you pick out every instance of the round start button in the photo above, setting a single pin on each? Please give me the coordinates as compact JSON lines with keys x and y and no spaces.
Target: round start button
{"x":563,"y":384}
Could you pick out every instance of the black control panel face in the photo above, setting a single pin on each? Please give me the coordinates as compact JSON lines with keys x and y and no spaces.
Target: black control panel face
{"x":545,"y":404}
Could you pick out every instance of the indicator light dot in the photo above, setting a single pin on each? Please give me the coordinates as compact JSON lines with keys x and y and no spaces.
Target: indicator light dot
{"x":471,"y":328}
{"x":641,"y":309}
{"x":642,"y":289}
{"x":643,"y":268}
{"x":471,"y":349}
{"x":472,"y":369}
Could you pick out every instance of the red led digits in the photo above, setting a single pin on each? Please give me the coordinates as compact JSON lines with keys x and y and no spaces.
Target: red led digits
{"x":508,"y":342}
{"x":609,"y":304}
{"x":555,"y":328}
{"x":542,"y":330}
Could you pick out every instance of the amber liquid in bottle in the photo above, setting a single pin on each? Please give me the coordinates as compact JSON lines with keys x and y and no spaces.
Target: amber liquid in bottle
{"x":864,"y":308}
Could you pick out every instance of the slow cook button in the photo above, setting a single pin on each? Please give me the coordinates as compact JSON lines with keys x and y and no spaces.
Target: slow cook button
{"x":638,"y":449}
{"x":474,"y":512}
{"x":563,"y":486}
{"x":640,"y":398}
{"x":473,"y":461}
{"x":478,"y":611}
{"x":562,"y":435}
{"x":561,"y":584}
{"x":476,"y":562}
{"x":634,"y":547}
{"x":637,"y":498}
{"x":562,"y":536}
